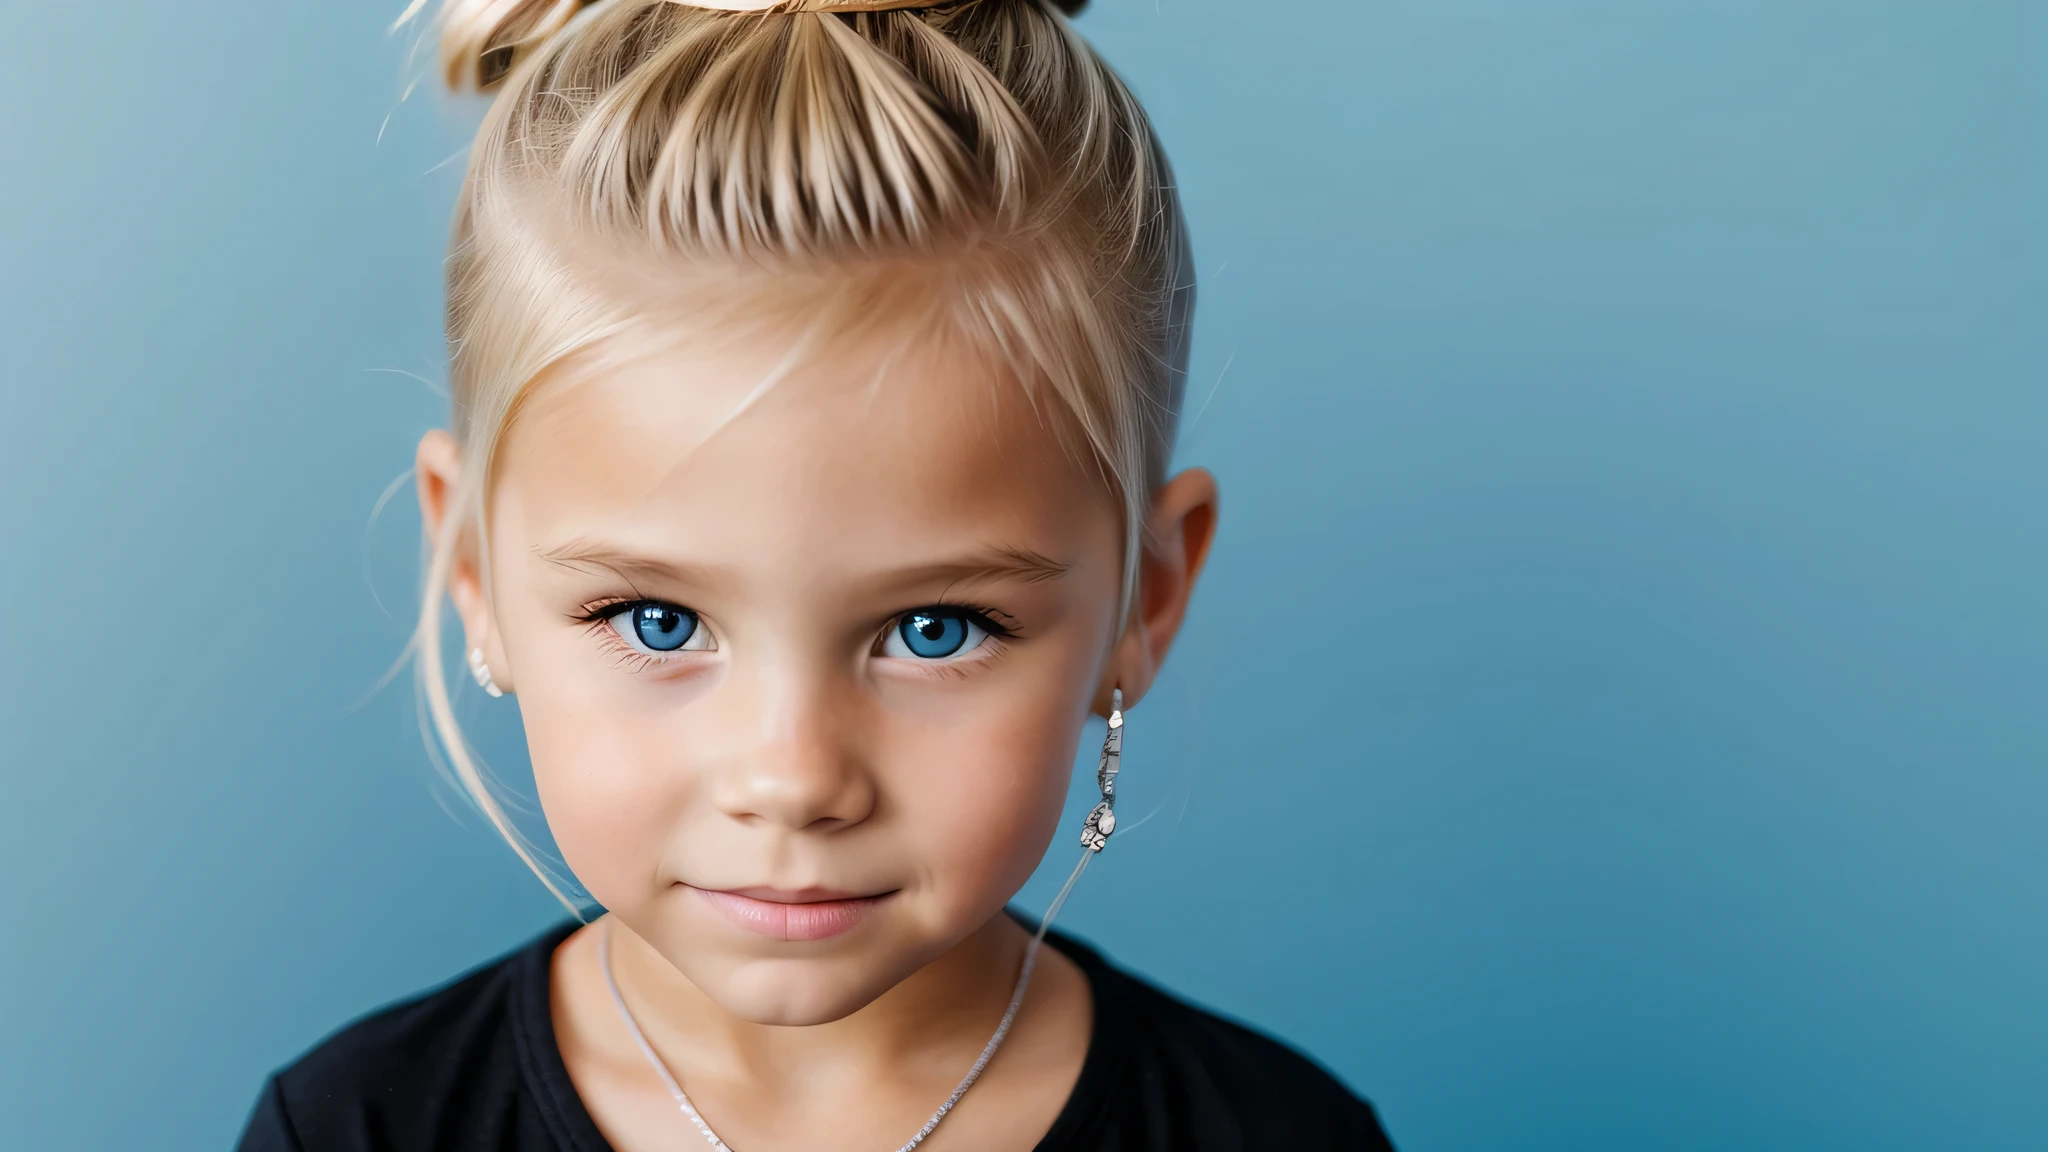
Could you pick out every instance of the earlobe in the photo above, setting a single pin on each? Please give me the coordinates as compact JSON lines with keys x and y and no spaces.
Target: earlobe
{"x":480,"y":670}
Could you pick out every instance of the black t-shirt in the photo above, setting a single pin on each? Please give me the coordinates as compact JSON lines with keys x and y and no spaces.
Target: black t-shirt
{"x":474,"y":1066}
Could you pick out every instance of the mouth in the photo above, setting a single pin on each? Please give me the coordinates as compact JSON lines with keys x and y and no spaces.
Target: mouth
{"x":779,"y":914}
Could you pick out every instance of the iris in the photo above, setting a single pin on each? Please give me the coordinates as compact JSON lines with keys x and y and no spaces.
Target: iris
{"x":664,"y":627}
{"x":932,"y":634}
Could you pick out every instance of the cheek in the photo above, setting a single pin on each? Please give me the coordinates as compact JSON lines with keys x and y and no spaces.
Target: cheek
{"x":608,"y":793}
{"x":988,"y":797}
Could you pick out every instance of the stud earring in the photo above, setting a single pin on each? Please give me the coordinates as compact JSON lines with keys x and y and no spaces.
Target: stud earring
{"x":1102,"y":821}
{"x":482,"y":672}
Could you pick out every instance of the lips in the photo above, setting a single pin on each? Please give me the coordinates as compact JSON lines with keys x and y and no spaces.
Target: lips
{"x":811,"y":914}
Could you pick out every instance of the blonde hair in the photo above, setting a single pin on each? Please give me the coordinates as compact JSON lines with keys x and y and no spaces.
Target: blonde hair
{"x":979,"y":145}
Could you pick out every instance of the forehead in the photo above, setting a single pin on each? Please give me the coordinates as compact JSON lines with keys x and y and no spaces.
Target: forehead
{"x":857,"y":452}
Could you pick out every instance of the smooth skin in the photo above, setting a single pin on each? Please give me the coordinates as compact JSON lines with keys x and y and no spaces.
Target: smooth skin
{"x":791,"y":746}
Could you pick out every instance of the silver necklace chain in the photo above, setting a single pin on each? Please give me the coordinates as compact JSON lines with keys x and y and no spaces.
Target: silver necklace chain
{"x":988,"y":1051}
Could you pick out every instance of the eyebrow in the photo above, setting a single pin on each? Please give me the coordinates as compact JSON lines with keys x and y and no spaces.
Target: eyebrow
{"x":580,"y":555}
{"x":1020,"y":564}
{"x":999,"y":563}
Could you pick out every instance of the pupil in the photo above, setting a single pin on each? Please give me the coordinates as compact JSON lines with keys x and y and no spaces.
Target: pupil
{"x":932,"y":629}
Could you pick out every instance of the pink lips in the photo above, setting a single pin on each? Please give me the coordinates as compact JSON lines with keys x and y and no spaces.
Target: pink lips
{"x":806,"y":915}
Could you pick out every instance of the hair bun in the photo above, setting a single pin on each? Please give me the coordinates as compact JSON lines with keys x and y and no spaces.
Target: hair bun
{"x":481,"y":39}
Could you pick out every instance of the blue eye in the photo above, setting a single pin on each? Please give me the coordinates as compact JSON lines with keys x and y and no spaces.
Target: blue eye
{"x":934,"y":634}
{"x":663,"y":628}
{"x":660,"y":628}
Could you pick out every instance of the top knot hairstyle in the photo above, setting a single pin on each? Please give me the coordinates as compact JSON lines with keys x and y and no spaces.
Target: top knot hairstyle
{"x":978,"y":151}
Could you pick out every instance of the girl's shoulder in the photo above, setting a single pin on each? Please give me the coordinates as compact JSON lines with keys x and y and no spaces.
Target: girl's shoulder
{"x":474,"y":1064}
{"x":1164,"y":1074}
{"x":416,"y":1074}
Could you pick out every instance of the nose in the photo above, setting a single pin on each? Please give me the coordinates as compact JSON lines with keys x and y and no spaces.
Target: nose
{"x":802,"y":769}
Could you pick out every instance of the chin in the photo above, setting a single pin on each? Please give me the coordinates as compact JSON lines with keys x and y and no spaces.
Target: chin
{"x":797,"y":993}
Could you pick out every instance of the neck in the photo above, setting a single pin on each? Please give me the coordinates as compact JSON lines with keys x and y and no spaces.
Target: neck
{"x":944,"y":1009}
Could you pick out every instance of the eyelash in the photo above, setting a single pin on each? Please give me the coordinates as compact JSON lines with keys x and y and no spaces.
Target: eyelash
{"x":986,"y":617}
{"x":597,"y":618}
{"x":999,"y":637}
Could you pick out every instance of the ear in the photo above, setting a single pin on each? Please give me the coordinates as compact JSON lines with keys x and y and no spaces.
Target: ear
{"x":437,"y":473}
{"x":1176,"y":543}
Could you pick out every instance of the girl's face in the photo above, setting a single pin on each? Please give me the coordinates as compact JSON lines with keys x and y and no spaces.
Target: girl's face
{"x":802,"y":690}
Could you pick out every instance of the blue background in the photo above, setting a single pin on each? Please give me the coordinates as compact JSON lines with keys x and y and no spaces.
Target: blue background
{"x":1614,"y":717}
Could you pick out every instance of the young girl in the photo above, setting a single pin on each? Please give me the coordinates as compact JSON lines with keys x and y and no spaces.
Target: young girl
{"x":815,"y":370}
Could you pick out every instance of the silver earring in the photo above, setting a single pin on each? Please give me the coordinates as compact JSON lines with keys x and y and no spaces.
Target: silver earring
{"x":1102,"y":821}
{"x":482,"y":672}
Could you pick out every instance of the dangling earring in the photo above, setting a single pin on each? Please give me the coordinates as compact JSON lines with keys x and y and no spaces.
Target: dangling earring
{"x":482,"y":672}
{"x":1102,"y":821}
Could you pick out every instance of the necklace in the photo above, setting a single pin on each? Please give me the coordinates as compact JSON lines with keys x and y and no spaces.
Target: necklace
{"x":675,"y":1090}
